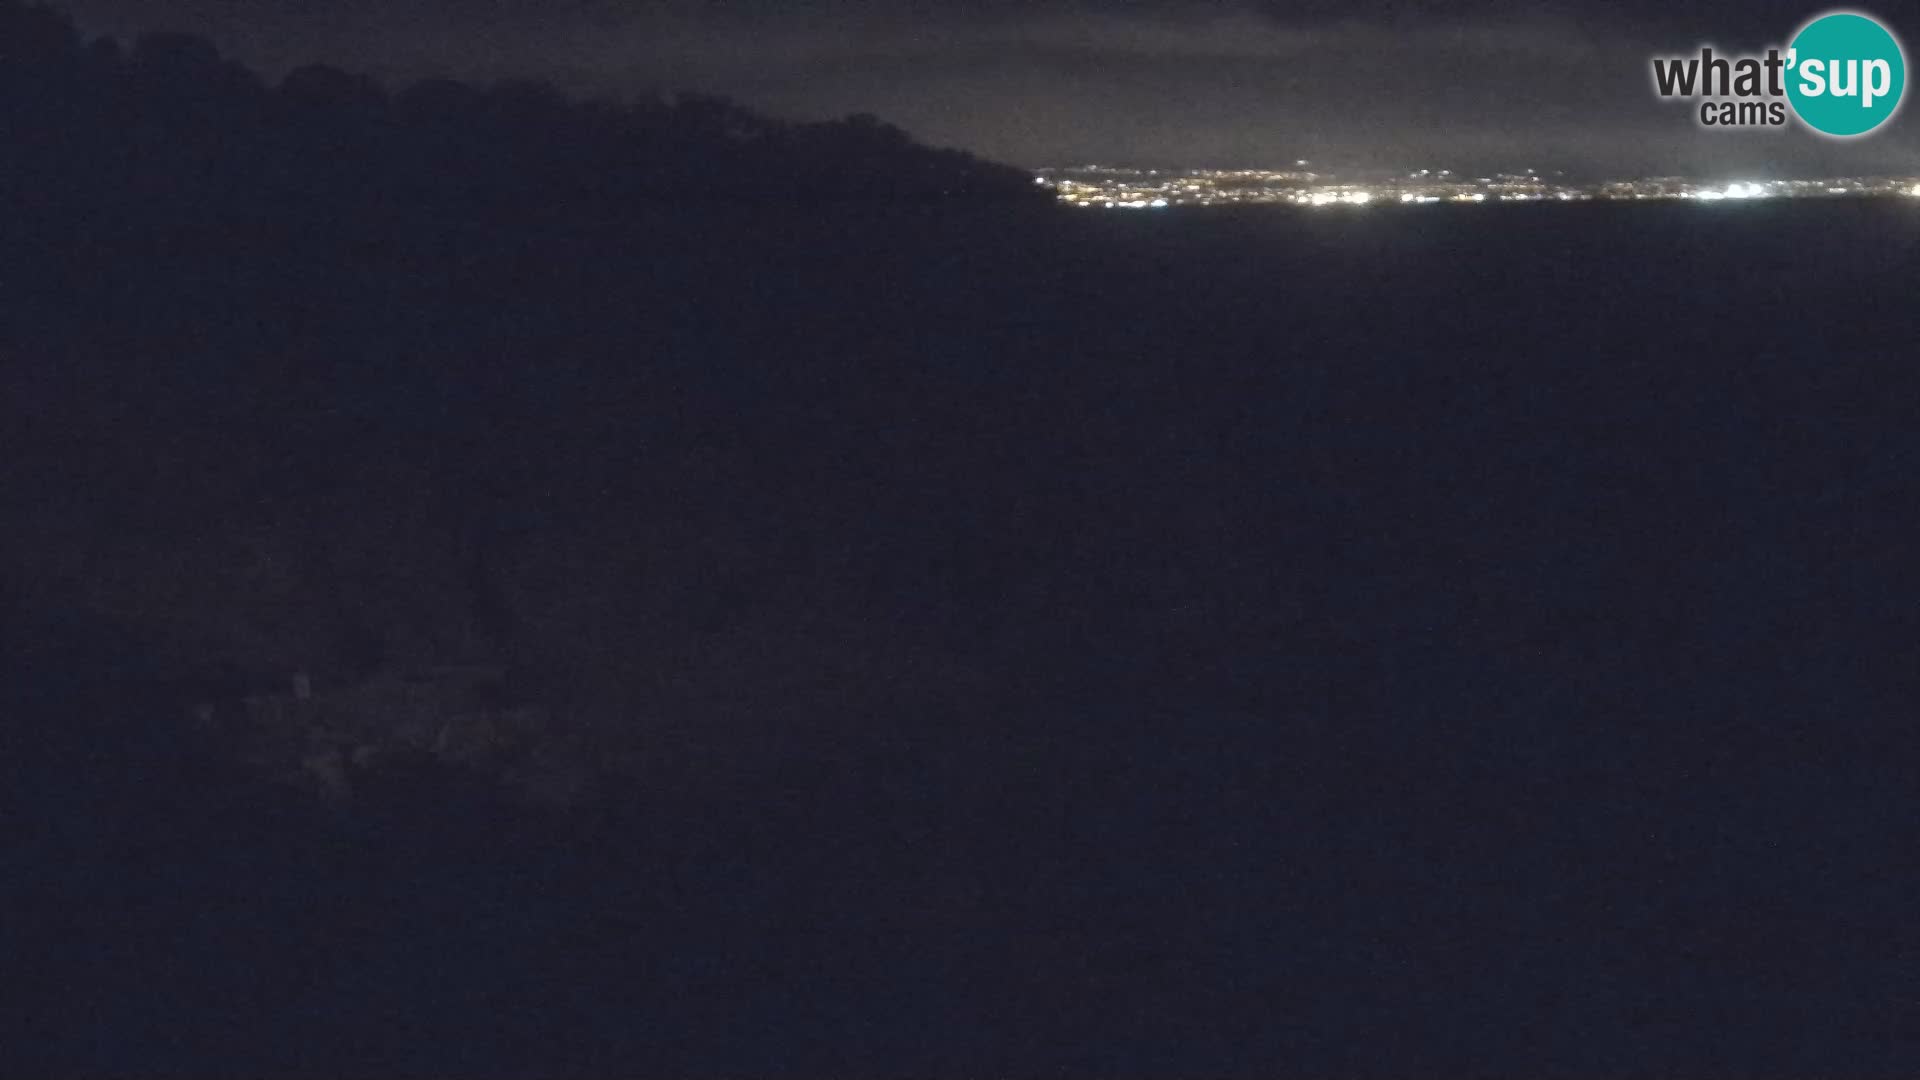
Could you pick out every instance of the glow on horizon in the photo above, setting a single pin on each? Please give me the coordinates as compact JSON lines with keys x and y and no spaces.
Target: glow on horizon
{"x":1733,"y":191}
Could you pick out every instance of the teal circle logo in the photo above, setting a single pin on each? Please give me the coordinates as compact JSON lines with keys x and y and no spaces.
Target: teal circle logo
{"x":1846,"y":74}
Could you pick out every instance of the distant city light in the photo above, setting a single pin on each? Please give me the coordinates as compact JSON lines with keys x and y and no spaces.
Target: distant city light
{"x":1330,"y":198}
{"x":1732,"y":191}
{"x":1139,"y":189}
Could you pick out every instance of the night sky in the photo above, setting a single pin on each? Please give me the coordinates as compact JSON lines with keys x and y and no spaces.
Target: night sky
{"x":1386,"y":83}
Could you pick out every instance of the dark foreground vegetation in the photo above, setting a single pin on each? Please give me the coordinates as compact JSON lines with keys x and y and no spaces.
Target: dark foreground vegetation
{"x":985,"y":639}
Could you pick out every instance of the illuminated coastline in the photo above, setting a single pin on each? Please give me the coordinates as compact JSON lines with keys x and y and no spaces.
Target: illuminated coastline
{"x":1151,"y":189}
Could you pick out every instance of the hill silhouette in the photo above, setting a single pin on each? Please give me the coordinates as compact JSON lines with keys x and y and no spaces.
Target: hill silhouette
{"x":168,"y":129}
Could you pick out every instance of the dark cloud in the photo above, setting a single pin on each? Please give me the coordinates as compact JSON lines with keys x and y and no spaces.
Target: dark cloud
{"x":1561,"y":84}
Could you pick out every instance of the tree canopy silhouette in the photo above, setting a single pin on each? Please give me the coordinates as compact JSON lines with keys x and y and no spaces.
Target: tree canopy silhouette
{"x":170,"y":129}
